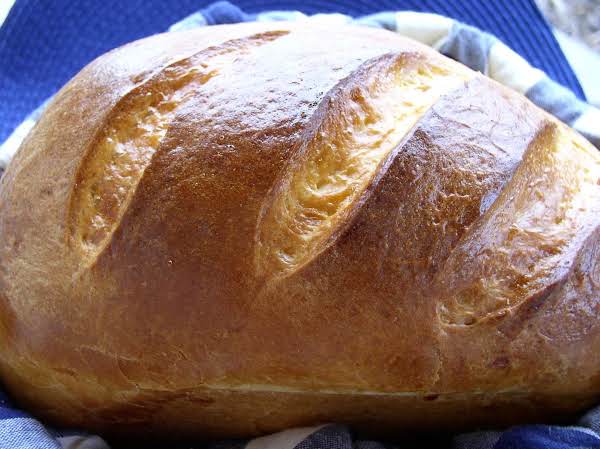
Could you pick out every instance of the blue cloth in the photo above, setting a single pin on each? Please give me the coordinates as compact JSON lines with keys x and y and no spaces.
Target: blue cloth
{"x":19,"y":431}
{"x":43,"y":43}
{"x":467,"y":44}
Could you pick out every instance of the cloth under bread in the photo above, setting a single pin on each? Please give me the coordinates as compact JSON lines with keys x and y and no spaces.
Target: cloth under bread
{"x":468,"y":45}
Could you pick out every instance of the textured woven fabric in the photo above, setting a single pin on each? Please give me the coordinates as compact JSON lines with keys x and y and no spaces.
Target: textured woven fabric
{"x":474,"y":48}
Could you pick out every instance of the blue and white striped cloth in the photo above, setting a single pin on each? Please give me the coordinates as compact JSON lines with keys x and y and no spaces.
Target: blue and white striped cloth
{"x":472,"y":47}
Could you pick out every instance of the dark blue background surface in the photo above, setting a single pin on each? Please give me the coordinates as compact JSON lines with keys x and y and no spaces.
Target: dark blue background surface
{"x":43,"y":43}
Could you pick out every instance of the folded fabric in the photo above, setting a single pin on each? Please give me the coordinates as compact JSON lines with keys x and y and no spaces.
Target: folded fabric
{"x":472,"y":47}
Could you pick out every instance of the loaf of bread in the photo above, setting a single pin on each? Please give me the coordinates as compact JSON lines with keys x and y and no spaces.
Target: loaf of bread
{"x":239,"y":229}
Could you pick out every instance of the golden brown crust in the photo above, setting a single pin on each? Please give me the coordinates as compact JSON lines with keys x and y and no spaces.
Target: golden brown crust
{"x":449,"y":266}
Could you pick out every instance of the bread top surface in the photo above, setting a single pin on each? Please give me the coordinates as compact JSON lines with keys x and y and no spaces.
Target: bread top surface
{"x":281,"y":208}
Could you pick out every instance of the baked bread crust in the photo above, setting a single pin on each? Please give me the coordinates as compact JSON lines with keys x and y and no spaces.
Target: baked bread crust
{"x":195,"y":242}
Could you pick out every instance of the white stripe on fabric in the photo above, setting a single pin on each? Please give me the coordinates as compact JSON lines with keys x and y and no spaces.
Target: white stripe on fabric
{"x":277,"y":16}
{"x":330,"y":19}
{"x":429,"y":29}
{"x":83,"y":442}
{"x":288,"y":439}
{"x":588,"y":122}
{"x":25,"y":433}
{"x":585,"y":63}
{"x":510,"y":69}
{"x":385,"y":20}
{"x":192,"y":21}
{"x":11,"y":145}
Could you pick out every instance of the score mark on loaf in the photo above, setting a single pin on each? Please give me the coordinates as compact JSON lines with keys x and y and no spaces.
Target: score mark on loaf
{"x":356,"y":128}
{"x":525,"y":246}
{"x":115,"y":164}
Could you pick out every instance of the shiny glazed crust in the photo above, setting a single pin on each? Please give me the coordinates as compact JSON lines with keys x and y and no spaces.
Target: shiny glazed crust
{"x":234,"y":230}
